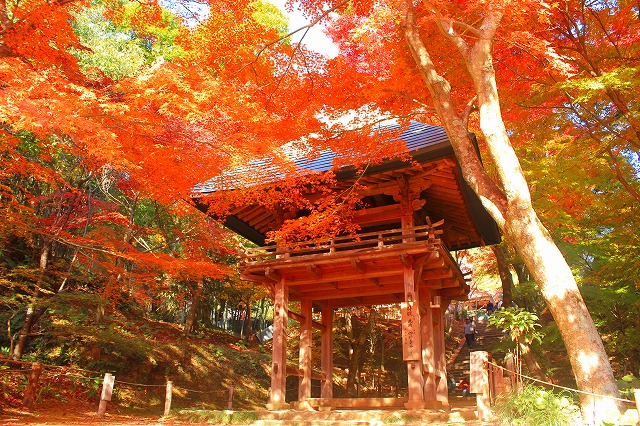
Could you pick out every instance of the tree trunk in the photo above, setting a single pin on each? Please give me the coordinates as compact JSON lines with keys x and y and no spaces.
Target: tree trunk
{"x":510,"y":204}
{"x":224,"y":315}
{"x":33,"y":315}
{"x":530,"y":360}
{"x":505,"y":275}
{"x":30,"y":320}
{"x":196,"y":295}
{"x":247,"y":319}
{"x":586,"y":352}
{"x":355,"y":360}
{"x":522,"y":272}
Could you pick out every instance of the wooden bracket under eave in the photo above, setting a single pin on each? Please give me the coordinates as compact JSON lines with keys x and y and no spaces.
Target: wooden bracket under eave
{"x":314,"y":270}
{"x":272,"y":274}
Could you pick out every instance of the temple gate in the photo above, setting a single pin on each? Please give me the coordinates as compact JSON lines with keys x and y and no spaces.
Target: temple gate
{"x":414,"y":213}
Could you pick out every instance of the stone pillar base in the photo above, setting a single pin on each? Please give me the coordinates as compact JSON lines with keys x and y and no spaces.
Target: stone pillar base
{"x":302,"y":406}
{"x":426,"y":405}
{"x":277,"y":406}
{"x":418,"y":405}
{"x":433,"y":405}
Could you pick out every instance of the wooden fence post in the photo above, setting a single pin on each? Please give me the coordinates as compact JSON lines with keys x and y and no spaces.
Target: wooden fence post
{"x":500,"y":386}
{"x":479,"y":383}
{"x":230,"y":400}
{"x":32,"y":385}
{"x":511,"y":373}
{"x":167,"y":398}
{"x":107,"y":390}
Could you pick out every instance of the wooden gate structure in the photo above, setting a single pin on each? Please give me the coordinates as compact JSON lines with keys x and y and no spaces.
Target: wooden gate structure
{"x":415,"y":212}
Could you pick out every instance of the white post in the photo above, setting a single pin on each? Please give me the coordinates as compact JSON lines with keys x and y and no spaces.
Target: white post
{"x":167,"y":398}
{"x":107,"y":390}
{"x":479,"y":383}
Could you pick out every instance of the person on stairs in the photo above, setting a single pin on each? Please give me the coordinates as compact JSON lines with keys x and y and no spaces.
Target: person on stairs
{"x":469,"y":332}
{"x":464,"y":387}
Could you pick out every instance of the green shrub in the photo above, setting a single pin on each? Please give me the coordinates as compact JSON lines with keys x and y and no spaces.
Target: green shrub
{"x":536,"y":406}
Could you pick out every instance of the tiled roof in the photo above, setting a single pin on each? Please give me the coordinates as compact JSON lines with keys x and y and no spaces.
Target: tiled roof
{"x":418,"y":137}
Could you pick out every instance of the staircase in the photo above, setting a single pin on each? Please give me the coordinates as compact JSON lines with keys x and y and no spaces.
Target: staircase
{"x":486,"y":340}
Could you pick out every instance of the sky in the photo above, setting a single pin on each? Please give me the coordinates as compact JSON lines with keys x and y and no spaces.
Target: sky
{"x":315,"y":39}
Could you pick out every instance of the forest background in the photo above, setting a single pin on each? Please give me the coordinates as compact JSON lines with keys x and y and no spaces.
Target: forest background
{"x":112,"y":112}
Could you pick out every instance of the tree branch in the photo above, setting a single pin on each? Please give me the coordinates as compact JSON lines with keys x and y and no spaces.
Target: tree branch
{"x":630,"y":189}
{"x":304,"y":28}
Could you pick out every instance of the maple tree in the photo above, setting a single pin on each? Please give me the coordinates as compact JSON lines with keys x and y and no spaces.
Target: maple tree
{"x":474,"y":48}
{"x":99,"y":155}
{"x":96,"y":152}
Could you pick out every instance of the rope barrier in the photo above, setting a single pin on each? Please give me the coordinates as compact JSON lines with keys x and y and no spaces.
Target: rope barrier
{"x":81,"y":377}
{"x":107,"y":386}
{"x":14,"y":371}
{"x":66,"y":374}
{"x":139,"y":384}
{"x":198,"y":391}
{"x":75,"y":376}
{"x":563,"y":387}
{"x":15,"y":362}
{"x":47,"y":365}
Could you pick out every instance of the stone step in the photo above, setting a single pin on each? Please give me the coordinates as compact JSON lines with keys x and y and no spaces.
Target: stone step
{"x":486,"y":339}
{"x":327,"y":418}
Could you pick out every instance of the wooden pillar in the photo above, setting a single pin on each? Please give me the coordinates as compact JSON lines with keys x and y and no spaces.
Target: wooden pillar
{"x":442,"y":393}
{"x":326,"y":391}
{"x":411,"y":336}
{"x":306,"y":335}
{"x":277,"y":399}
{"x":428,"y":352}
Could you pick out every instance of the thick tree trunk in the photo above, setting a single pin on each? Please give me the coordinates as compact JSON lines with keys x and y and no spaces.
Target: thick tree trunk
{"x":586,"y":352}
{"x":510,"y":205}
{"x":505,"y":275}
{"x":193,"y":309}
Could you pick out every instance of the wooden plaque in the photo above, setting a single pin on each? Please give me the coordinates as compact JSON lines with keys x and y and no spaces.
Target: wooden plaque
{"x":411,"y":347}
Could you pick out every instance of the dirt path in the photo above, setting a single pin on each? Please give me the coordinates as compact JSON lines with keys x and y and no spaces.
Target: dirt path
{"x":74,"y":413}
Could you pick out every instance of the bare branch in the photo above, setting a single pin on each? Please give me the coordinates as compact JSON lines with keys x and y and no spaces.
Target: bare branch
{"x":304,"y":28}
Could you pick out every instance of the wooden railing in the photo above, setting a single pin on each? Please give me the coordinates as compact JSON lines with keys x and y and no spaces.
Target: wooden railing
{"x":372,"y":240}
